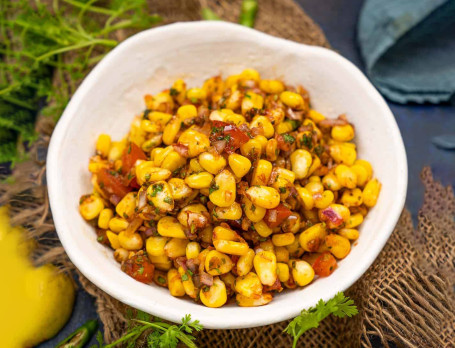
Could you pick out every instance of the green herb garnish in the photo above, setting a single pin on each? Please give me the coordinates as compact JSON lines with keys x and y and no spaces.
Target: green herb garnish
{"x":156,"y":188}
{"x":288,"y":138}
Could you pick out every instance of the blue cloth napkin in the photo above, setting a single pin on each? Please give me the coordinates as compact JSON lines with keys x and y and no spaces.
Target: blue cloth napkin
{"x":408,"y":47}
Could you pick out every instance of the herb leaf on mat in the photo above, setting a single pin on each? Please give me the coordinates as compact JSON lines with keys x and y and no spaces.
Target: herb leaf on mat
{"x":340,"y":306}
{"x":158,"y":334}
{"x":47,"y":48}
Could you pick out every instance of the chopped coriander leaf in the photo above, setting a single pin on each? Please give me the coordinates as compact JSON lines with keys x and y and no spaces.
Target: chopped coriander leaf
{"x":129,"y":149}
{"x":288,"y":138}
{"x":194,"y":100}
{"x":100,"y":238}
{"x":306,"y":140}
{"x":125,"y":215}
{"x":173,"y":92}
{"x":168,"y":200}
{"x":141,"y":270}
{"x":161,"y":280}
{"x":295,"y":124}
{"x":147,"y":176}
{"x":156,"y":188}
{"x":213,"y":188}
{"x":282,"y":189}
{"x":185,"y":277}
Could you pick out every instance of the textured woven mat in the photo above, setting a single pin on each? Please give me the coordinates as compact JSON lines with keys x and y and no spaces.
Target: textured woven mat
{"x":406,"y":296}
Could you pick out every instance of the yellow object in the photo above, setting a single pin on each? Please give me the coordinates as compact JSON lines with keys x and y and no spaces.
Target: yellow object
{"x":239,"y":164}
{"x":214,"y":296}
{"x":371,"y":192}
{"x":265,"y":266}
{"x":301,"y":162}
{"x":292,"y":99}
{"x":248,"y":285}
{"x":245,"y":262}
{"x":263,"y":196}
{"x":261,"y":173}
{"x":302,"y":272}
{"x":104,"y":218}
{"x":90,"y":206}
{"x":271,"y":86}
{"x":35,"y":302}
{"x":103,"y":145}
{"x":212,"y":163}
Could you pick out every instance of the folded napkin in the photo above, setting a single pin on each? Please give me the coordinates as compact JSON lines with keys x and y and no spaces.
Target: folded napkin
{"x":409,"y":48}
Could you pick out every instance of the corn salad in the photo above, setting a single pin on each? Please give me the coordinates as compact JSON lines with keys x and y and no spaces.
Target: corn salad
{"x":235,"y":189}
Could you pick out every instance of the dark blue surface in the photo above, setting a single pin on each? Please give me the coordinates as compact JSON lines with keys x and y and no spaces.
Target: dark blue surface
{"x":418,"y":124}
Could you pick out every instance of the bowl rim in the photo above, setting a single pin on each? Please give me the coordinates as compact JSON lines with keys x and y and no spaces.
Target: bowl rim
{"x":216,"y":321}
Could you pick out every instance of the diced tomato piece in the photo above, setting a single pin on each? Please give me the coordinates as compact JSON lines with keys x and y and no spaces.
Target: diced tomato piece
{"x":112,"y":183}
{"x":139,"y":268}
{"x":133,"y":184}
{"x":325,"y":264}
{"x":131,"y":154}
{"x":230,"y":133}
{"x":275,"y":217}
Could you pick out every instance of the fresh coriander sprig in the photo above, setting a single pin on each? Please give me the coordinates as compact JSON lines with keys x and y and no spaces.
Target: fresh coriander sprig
{"x":340,"y":306}
{"x":158,"y":334}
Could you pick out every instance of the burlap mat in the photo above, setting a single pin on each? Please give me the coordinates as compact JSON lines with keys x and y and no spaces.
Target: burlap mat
{"x":406,"y":296}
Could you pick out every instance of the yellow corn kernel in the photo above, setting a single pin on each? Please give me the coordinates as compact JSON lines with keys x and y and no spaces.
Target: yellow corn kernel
{"x":151,"y":143}
{"x":196,"y":94}
{"x":339,"y":246}
{"x":263,"y":196}
{"x":186,"y":111}
{"x":361,"y":173}
{"x":315,"y":164}
{"x":199,"y":180}
{"x":159,"y":259}
{"x":306,"y":197}
{"x":229,"y":280}
{"x":248,"y":285}
{"x":283,"y":180}
{"x":250,"y":74}
{"x":261,"y":173}
{"x":171,"y":130}
{"x":159,"y":154}
{"x":159,"y":102}
{"x":343,"y":133}
{"x":340,"y":211}
{"x":251,"y":101}
{"x":217,"y":263}
{"x":367,"y":166}
{"x":103,"y":145}
{"x":354,"y":220}
{"x":271,"y":150}
{"x":312,"y":238}
{"x":282,"y":254}
{"x":195,"y":166}
{"x":291,"y":224}
{"x":284,"y":127}
{"x":187,"y":282}
{"x":234,"y":212}
{"x":239,"y":164}
{"x":352,"y":198}
{"x":265,"y":266}
{"x":282,"y":271}
{"x":211,"y":162}
{"x":234,"y":118}
{"x":197,"y":142}
{"x":234,"y":101}
{"x":251,"y":148}
{"x":178,"y":90}
{"x":176,"y":247}
{"x":253,"y":212}
{"x":245,"y":263}
{"x":292,"y":99}
{"x":192,"y":208}
{"x":371,"y":192}
{"x":130,"y":242}
{"x":214,"y":296}
{"x":206,"y":234}
{"x":271,"y":86}
{"x":113,"y":240}
{"x":276,"y":116}
{"x":343,"y":153}
{"x":161,"y":118}
{"x":231,"y":247}
{"x":263,"y":141}
{"x":151,"y":127}
{"x":121,"y":255}
{"x":331,"y":182}
{"x":160,"y":195}
{"x":192,"y":250}
{"x":262,"y":229}
{"x":95,"y":167}
{"x":169,"y":226}
{"x":302,"y":272}
{"x":127,"y":205}
{"x":315,"y":116}
{"x":155,"y":245}
{"x":244,"y":301}
{"x":349,"y":233}
{"x":179,"y":189}
{"x":314,"y":178}
{"x":295,"y":250}
{"x":283,"y":239}
{"x":264,"y":123}
{"x":175,"y":284}
{"x":224,"y":189}
{"x":118,"y":224}
{"x":90,"y":206}
{"x":266,"y":246}
{"x":173,"y":161}
{"x":146,"y":172}
{"x":301,"y":161}
{"x":104,"y":218}
{"x":315,"y":188}
{"x":346,"y":176}
{"x":137,"y":134}
{"x":324,"y":200}
{"x":116,"y":150}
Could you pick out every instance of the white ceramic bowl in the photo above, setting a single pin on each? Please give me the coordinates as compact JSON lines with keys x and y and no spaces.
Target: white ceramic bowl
{"x":148,"y":62}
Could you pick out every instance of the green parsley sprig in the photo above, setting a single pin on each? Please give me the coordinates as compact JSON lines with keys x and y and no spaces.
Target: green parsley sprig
{"x":340,"y":306}
{"x":158,"y":334}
